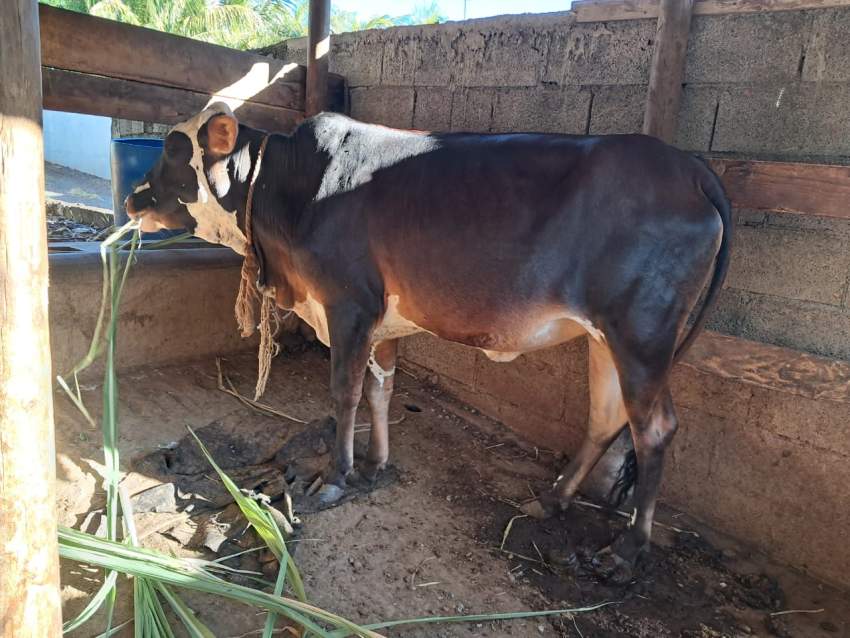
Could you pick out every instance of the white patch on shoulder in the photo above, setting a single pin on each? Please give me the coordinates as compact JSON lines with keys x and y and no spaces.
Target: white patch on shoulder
{"x":394,"y":325}
{"x":141,"y":187}
{"x":213,"y":222}
{"x":313,"y":313}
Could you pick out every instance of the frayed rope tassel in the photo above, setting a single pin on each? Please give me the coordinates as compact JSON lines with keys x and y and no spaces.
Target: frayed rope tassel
{"x":246,"y":319}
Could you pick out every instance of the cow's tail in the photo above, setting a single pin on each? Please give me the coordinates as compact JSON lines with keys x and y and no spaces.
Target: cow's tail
{"x":713,"y":190}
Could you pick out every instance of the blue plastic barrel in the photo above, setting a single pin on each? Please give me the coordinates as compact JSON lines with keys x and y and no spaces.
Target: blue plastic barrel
{"x":131,"y":158}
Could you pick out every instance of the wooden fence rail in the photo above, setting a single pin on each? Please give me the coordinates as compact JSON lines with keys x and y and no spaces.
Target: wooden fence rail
{"x":102,"y":67}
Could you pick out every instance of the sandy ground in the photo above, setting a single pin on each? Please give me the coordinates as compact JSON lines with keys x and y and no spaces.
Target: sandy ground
{"x":75,"y":187}
{"x":429,"y":544}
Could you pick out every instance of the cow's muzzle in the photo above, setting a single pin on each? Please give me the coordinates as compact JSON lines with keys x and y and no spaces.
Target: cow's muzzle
{"x":149,"y":224}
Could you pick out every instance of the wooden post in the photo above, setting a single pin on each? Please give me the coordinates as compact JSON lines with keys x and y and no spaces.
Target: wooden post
{"x":29,"y":562}
{"x":668,"y":68}
{"x":318,"y":50}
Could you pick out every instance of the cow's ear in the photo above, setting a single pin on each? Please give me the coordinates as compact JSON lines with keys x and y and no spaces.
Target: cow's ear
{"x":222,"y":131}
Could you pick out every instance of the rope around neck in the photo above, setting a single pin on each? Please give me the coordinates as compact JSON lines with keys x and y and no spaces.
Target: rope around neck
{"x":249,"y":292}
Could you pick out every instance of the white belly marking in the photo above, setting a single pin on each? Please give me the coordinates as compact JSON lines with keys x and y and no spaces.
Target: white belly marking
{"x":394,"y":325}
{"x":501,"y":357}
{"x":313,"y":313}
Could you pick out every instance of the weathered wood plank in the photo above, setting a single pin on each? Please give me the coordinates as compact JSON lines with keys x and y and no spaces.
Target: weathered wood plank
{"x":113,"y":97}
{"x":661,"y":115}
{"x":85,"y":44}
{"x":805,"y":189}
{"x":318,"y":49}
{"x":605,"y":10}
{"x":30,"y":603}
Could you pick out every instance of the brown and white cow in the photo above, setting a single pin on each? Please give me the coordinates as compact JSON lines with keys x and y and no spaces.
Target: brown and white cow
{"x":507,"y":243}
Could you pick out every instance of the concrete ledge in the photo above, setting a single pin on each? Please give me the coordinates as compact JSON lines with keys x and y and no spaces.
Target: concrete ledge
{"x":762,"y":452}
{"x":177,"y":306}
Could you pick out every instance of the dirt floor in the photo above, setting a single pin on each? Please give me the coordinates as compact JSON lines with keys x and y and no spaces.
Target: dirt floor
{"x":429,"y":544}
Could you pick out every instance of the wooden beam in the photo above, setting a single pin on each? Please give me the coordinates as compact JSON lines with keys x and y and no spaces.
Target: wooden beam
{"x":30,"y":603}
{"x":77,"y":42}
{"x":113,"y":97}
{"x":318,"y":50}
{"x":609,"y":10}
{"x":804,"y":189}
{"x":661,"y":116}
{"x":138,"y":64}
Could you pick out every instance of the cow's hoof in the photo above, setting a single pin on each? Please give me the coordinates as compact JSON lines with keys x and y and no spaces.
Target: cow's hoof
{"x":614,"y":568}
{"x":329,"y":494}
{"x":563,"y":557}
{"x":369,"y":471}
{"x":546,"y":506}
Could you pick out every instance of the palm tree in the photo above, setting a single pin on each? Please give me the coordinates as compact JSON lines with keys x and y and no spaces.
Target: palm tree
{"x":235,"y":23}
{"x":241,"y":24}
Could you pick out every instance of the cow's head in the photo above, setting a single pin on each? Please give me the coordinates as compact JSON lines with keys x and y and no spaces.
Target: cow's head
{"x":190,"y":185}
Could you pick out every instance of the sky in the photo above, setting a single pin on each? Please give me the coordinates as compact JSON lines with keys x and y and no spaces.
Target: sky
{"x":453,"y":8}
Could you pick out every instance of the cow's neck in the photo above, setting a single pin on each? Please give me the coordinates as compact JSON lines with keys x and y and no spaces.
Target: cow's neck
{"x":290,"y":173}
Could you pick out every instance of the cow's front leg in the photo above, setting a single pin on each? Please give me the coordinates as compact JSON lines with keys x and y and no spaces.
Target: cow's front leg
{"x":350,"y":336}
{"x":380,"y":376}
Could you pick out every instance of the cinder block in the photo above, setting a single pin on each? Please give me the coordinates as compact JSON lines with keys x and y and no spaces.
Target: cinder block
{"x":601,"y":53}
{"x":829,"y":226}
{"x":543,"y":110}
{"x":780,"y":476}
{"x":436,"y":56}
{"x":292,"y":50}
{"x":533,"y":382}
{"x":811,"y":327}
{"x":433,"y":108}
{"x":784,"y":119}
{"x":806,"y":266}
{"x":491,"y":56}
{"x":754,"y":47}
{"x":560,"y":435}
{"x":391,"y":106}
{"x":401,"y":49}
{"x":617,"y":109}
{"x":358,"y":57}
{"x":472,"y":110}
{"x":443,"y":357}
{"x":687,"y":470}
{"x":827,"y":53}
{"x":819,"y":423}
{"x":697,"y":391}
{"x":696,"y":117}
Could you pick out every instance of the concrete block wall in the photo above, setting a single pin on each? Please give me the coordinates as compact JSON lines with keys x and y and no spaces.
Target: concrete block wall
{"x":135,"y":128}
{"x":789,"y":283}
{"x":774,"y":85}
{"x":177,"y":306}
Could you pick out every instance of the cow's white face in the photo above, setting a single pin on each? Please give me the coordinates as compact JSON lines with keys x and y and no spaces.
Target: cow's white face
{"x":176,"y":193}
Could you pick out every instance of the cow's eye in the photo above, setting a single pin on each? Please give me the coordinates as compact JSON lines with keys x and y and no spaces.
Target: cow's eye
{"x":182,"y":185}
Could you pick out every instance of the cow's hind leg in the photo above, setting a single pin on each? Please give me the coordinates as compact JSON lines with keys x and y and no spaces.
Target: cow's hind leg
{"x":378,"y":388}
{"x":653,"y":423}
{"x":606,"y":419}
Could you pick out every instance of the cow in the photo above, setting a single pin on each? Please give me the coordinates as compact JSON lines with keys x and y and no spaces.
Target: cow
{"x":504,"y":242}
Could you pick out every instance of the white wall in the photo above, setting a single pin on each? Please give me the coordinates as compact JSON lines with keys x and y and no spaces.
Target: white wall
{"x":78,"y":141}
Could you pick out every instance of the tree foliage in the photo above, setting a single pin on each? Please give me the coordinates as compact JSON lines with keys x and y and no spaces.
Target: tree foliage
{"x":241,"y":24}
